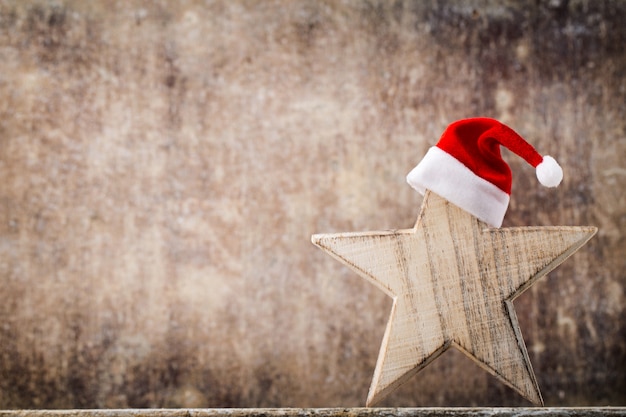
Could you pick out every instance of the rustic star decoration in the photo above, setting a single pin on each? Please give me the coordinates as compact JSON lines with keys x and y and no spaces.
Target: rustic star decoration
{"x":453,"y":280}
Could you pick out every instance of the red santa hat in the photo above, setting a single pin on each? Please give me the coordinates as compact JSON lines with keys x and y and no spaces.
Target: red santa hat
{"x":467,"y":169}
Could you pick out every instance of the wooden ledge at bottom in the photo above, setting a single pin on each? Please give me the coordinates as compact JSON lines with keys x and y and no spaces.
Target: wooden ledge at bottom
{"x":327,"y":412}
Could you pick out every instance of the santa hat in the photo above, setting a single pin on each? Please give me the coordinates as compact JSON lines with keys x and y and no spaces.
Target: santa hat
{"x":467,"y":169}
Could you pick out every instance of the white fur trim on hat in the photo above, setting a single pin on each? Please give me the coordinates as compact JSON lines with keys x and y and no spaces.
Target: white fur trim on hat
{"x":444,"y":175}
{"x":549,"y":172}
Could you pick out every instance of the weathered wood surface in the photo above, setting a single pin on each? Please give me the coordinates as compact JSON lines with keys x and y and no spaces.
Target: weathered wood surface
{"x":453,"y":280}
{"x":163,"y":165}
{"x":330,"y":412}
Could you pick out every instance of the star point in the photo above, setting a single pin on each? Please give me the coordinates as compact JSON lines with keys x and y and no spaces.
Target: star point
{"x":452,"y":279}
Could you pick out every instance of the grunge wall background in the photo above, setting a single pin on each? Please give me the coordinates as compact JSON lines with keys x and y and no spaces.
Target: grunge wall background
{"x":163,"y":165}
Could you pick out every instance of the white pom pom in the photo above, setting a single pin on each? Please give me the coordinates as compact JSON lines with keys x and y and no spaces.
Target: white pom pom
{"x":549,"y":173}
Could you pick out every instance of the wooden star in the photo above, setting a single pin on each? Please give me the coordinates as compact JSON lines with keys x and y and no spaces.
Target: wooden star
{"x":453,"y":280}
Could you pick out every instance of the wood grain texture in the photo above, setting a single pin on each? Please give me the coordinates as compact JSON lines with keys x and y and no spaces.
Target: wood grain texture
{"x":453,"y":280}
{"x":164,"y":164}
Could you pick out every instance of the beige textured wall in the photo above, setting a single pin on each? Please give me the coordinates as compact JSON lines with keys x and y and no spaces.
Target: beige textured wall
{"x":164,"y":163}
